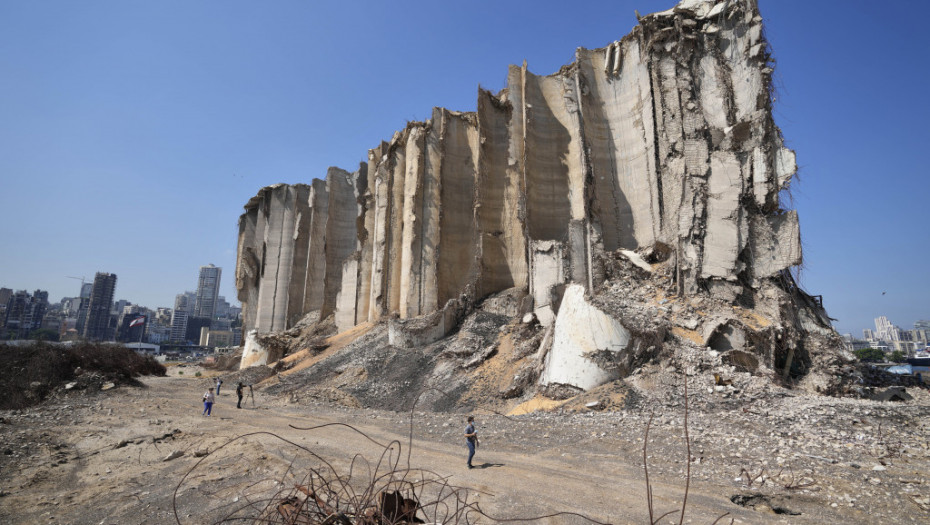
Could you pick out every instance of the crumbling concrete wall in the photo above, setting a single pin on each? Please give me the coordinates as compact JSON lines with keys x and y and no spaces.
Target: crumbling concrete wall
{"x":341,"y":224}
{"x":272,"y":229}
{"x":662,"y":141}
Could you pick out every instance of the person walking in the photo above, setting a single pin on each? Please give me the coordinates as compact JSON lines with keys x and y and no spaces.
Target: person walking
{"x":208,"y":403}
{"x":471,"y":439}
{"x":239,"y":393}
{"x":219,"y":383}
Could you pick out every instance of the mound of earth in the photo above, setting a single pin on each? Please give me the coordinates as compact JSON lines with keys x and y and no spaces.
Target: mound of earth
{"x":30,"y":374}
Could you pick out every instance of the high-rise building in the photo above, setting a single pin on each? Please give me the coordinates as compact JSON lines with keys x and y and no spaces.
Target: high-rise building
{"x":208,"y":288}
{"x":86,"y":289}
{"x":183,"y":306}
{"x":25,"y":313}
{"x":97,"y":326}
{"x":885,"y":330}
{"x":118,"y":306}
{"x":178,"y":325}
{"x":222,"y":307}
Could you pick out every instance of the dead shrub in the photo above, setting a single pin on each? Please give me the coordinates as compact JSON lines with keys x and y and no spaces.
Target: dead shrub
{"x":29,"y":374}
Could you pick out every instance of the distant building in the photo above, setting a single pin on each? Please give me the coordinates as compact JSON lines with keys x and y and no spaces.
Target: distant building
{"x":885,"y":330}
{"x":921,"y":332}
{"x":219,"y":338}
{"x":5,"y":295}
{"x":98,"y":326}
{"x":194,"y":325}
{"x":208,"y":288}
{"x":853,"y":344}
{"x":119,"y":306}
{"x":70,"y":306}
{"x":222,"y":308}
{"x":86,"y":289}
{"x":868,"y":335}
{"x":24,"y":313}
{"x":132,"y":327}
{"x":179,"y":319}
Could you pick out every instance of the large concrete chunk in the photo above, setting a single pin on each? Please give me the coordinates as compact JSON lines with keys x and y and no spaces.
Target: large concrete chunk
{"x":582,"y":332}
{"x":776,"y":244}
{"x":725,"y":235}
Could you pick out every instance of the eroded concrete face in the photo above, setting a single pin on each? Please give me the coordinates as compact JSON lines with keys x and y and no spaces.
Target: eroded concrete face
{"x":663,"y":138}
{"x":581,"y":333}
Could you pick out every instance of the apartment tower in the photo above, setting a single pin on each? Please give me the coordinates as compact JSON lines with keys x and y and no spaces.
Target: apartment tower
{"x":208,"y":288}
{"x":97,"y":326}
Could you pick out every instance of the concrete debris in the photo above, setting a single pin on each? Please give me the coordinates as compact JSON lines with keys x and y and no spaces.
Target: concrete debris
{"x":174,"y":455}
{"x":895,"y":393}
{"x":581,"y":331}
{"x":636,"y":259}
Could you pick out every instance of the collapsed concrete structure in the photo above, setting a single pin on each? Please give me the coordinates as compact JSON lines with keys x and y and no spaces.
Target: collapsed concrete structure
{"x":661,"y":143}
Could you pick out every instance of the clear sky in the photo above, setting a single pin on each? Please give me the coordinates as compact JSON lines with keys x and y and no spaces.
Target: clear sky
{"x":133,"y":132}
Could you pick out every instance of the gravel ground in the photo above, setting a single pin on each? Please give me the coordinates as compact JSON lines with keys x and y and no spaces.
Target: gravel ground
{"x":776,"y":457}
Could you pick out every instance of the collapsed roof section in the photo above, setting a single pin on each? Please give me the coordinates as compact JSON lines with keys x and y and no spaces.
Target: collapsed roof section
{"x":663,"y":140}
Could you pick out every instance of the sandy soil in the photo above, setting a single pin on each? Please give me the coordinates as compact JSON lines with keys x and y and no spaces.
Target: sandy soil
{"x":100,"y":459}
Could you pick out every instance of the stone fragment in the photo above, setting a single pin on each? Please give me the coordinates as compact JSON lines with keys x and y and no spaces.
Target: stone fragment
{"x":581,"y":330}
{"x":174,"y":455}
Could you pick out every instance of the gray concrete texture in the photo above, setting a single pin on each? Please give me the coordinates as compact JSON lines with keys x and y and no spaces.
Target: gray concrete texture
{"x":663,"y":138}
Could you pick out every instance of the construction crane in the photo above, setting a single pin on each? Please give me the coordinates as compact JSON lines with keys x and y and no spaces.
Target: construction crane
{"x":81,"y":278}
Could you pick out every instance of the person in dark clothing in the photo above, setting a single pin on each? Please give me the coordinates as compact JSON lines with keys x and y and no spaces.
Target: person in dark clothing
{"x":239,"y":393}
{"x":471,"y":439}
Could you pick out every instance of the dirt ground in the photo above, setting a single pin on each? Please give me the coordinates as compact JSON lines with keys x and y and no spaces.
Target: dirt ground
{"x":101,"y":459}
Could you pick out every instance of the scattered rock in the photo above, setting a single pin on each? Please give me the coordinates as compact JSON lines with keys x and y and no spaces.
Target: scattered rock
{"x":174,"y":455}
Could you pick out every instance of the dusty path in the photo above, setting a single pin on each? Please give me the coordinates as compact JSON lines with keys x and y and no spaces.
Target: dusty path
{"x":99,"y":460}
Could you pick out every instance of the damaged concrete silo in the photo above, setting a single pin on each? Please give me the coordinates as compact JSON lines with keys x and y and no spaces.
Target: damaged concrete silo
{"x":660,"y":142}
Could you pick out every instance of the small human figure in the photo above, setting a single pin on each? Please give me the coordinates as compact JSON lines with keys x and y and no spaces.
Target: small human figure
{"x":239,"y":393}
{"x":471,"y":439}
{"x":208,"y":402}
{"x":219,"y":383}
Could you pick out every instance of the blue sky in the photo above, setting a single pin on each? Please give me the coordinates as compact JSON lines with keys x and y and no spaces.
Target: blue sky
{"x":132,"y":132}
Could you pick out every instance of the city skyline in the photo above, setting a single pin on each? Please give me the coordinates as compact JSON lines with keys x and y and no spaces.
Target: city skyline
{"x":134,"y":134}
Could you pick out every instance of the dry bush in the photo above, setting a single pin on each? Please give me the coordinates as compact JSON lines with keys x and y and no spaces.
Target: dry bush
{"x":29,"y":374}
